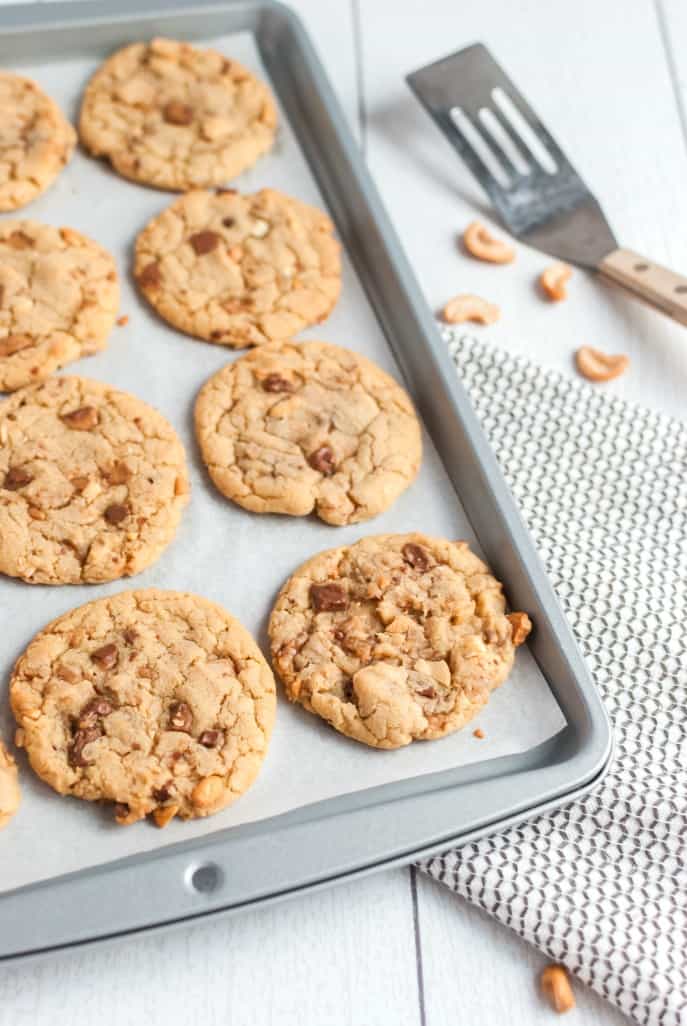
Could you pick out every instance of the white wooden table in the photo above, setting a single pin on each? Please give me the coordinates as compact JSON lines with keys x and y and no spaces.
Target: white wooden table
{"x":611,"y":80}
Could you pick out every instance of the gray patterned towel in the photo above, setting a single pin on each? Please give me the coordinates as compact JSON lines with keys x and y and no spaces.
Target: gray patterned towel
{"x":600,"y":885}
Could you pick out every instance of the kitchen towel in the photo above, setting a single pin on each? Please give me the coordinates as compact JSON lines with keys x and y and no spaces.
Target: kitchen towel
{"x":600,"y":885}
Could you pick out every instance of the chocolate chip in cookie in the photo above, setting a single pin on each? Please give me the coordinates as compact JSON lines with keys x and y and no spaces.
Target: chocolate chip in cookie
{"x":415,"y":556}
{"x":323,"y":459}
{"x":181,"y":717}
{"x":204,"y":242}
{"x":328,"y":598}
{"x":16,"y":478}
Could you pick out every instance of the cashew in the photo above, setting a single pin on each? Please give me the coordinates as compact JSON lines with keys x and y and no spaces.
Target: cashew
{"x":554,"y":279}
{"x":520,"y":625}
{"x":597,"y":366}
{"x":470,"y":308}
{"x":207,"y":792}
{"x":556,"y":988}
{"x":164,"y":814}
{"x":481,"y":244}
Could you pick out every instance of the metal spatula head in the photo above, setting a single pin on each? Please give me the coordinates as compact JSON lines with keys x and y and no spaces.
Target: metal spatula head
{"x":534,"y":187}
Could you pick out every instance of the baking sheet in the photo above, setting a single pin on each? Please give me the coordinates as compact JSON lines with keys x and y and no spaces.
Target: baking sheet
{"x":233,"y":557}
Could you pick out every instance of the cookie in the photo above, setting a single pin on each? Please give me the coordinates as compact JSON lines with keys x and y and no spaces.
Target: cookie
{"x":308,"y":427}
{"x":394,"y":639}
{"x":158,"y":701}
{"x":169,"y":115}
{"x":239,"y":270}
{"x":59,"y":295}
{"x":36,"y":141}
{"x":92,"y":483}
{"x":9,"y":787}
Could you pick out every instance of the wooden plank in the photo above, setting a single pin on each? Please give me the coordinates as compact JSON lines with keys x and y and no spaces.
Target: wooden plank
{"x":672,"y":19}
{"x":338,"y":958}
{"x":607,"y":96}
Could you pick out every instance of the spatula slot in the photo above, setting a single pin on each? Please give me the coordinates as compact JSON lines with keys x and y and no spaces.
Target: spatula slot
{"x":504,"y":141}
{"x":524,"y":130}
{"x":480,"y":146}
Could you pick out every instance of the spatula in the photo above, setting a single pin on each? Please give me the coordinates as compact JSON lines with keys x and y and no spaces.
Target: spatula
{"x":541,"y":198}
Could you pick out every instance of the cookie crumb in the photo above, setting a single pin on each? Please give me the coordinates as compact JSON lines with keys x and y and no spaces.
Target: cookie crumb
{"x":123,"y":320}
{"x":479,"y":733}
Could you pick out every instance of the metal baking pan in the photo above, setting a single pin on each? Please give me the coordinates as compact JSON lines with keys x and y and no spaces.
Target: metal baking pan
{"x":333,"y":840}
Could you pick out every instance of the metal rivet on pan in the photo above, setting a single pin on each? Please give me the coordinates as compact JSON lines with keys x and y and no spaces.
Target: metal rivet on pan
{"x":204,"y":879}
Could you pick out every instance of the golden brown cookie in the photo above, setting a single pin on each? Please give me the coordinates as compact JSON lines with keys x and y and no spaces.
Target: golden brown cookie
{"x":9,"y":787}
{"x":239,"y":270}
{"x":158,"y":701}
{"x":36,"y":141}
{"x":394,"y":639}
{"x":59,"y":295}
{"x":92,"y":483}
{"x":308,"y":427}
{"x":170,"y":115}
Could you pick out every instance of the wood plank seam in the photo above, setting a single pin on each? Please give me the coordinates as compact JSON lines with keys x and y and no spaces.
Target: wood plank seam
{"x":359,"y":74}
{"x":418,"y":946}
{"x":667,"y":42}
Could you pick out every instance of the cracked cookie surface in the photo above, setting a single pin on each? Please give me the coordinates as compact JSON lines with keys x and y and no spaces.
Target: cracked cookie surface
{"x":159,"y":701}
{"x":9,"y":787}
{"x":176,"y":117}
{"x":394,"y":639}
{"x":92,"y":483}
{"x":36,"y":141}
{"x":239,"y":270}
{"x":308,"y":427}
{"x":59,"y":295}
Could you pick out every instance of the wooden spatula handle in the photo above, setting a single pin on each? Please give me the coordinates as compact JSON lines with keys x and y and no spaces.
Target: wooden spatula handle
{"x":654,"y":284}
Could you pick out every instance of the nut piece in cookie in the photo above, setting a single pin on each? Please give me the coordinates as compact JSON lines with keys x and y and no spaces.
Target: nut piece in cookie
{"x":308,"y":427}
{"x":59,"y":295}
{"x":36,"y":141}
{"x":167,"y":708}
{"x":239,"y":270}
{"x":92,"y":484}
{"x":9,"y":787}
{"x":395,"y":638}
{"x":176,"y":117}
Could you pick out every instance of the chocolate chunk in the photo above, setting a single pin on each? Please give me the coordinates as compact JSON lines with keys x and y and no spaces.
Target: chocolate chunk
{"x":75,"y":756}
{"x":211,"y":738}
{"x":228,"y":222}
{"x":19,"y":240}
{"x":17,"y":477}
{"x":177,"y":113}
{"x":204,"y":242}
{"x":323,"y":460}
{"x":428,"y":692}
{"x":94,"y":711}
{"x":326,"y":598}
{"x":162,"y":794}
{"x":150,"y":277}
{"x":116,"y":513}
{"x":14,"y":344}
{"x":415,"y":556}
{"x":226,"y":192}
{"x":180,"y":717}
{"x":106,"y":657}
{"x":130,"y":635}
{"x":276,"y":383}
{"x":83,"y":419}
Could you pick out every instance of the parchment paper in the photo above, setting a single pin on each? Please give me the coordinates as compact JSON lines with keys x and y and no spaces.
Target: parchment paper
{"x":233,"y":557}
